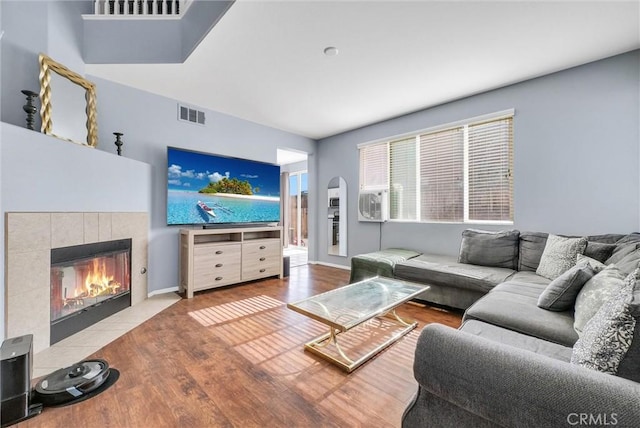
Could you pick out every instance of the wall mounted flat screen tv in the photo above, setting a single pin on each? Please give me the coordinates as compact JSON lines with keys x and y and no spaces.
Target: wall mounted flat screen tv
{"x":209,"y":189}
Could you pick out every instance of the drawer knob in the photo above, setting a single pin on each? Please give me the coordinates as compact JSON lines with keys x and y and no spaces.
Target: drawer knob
{"x":262,"y":247}
{"x":219,"y":265}
{"x":219,"y":252}
{"x":262,"y":259}
{"x":219,"y":278}
{"x":262,"y":270}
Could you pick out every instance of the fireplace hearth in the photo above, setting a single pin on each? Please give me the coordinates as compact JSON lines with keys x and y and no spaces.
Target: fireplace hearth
{"x":89,"y":282}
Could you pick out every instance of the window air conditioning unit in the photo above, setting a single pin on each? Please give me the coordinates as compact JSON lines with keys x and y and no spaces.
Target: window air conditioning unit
{"x":373,"y":205}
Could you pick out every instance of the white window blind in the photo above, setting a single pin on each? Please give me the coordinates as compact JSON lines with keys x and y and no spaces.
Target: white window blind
{"x":490,"y":160}
{"x":403,"y":173}
{"x":461,"y":172}
{"x":374,"y":161}
{"x":442,"y":176}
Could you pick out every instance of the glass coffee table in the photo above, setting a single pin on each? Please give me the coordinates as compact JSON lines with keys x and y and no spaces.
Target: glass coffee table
{"x":353,"y":305}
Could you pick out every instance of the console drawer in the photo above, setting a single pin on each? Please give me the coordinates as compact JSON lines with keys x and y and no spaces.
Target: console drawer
{"x":215,"y":265}
{"x":261,"y":259}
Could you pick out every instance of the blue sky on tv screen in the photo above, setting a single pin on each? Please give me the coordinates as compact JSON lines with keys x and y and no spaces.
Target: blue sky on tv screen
{"x":191,"y":171}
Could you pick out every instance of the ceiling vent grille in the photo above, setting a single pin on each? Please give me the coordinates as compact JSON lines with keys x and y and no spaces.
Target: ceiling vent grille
{"x":190,"y":114}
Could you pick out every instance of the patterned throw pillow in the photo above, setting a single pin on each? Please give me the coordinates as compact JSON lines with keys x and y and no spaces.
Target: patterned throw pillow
{"x":608,"y":335}
{"x":599,"y":289}
{"x":560,"y":255}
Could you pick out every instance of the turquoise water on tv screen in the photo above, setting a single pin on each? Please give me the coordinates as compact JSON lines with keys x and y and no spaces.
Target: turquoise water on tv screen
{"x":182,"y":208}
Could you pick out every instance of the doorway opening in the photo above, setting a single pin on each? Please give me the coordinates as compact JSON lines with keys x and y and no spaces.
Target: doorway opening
{"x":295,"y":207}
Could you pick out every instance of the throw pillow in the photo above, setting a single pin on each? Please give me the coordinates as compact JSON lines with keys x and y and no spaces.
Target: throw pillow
{"x":485,"y":248}
{"x":608,"y":336}
{"x":561,"y":293}
{"x":629,"y":263}
{"x":599,"y":251}
{"x":559,"y":255}
{"x":621,"y":252}
{"x":530,"y":251}
{"x":602,"y":287}
{"x":629,"y":367}
{"x":595,"y":264}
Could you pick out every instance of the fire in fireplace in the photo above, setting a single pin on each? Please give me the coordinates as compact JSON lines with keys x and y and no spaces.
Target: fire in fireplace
{"x":88,"y":283}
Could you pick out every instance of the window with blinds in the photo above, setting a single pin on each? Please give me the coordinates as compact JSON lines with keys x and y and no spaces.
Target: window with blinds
{"x":461,"y":172}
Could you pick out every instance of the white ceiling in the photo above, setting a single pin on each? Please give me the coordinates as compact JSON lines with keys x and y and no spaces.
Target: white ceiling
{"x":264,"y":60}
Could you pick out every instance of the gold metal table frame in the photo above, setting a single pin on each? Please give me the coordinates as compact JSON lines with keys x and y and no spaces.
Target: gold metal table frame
{"x":352,"y":305}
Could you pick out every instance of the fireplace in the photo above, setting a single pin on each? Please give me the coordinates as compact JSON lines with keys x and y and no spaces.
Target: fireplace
{"x":89,"y":282}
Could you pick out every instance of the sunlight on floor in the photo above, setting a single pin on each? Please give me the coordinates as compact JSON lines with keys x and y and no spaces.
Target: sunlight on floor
{"x":233,"y":310}
{"x":297,"y":255}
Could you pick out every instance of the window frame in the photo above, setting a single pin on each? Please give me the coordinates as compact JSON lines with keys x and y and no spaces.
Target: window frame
{"x":464,"y":124}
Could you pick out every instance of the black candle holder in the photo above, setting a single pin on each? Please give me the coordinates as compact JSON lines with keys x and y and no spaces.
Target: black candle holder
{"x":29,"y":108}
{"x":119,"y":142}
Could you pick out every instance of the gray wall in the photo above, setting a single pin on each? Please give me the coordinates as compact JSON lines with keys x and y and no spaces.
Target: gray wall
{"x":576,"y":138}
{"x":149,"y":123}
{"x":32,"y":27}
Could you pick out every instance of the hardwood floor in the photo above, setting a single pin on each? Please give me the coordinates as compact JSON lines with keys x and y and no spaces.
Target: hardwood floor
{"x":234,"y":357}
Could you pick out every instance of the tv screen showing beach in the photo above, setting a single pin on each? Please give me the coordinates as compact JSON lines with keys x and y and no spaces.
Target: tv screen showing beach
{"x":208,"y":189}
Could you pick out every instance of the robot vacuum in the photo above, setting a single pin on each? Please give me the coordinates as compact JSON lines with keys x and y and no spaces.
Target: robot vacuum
{"x":75,"y":383}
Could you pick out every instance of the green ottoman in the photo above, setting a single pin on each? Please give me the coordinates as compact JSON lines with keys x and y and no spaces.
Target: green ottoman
{"x":379,"y":263}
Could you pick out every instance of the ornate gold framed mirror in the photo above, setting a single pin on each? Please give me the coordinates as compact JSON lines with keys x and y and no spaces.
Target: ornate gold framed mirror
{"x":68,"y":104}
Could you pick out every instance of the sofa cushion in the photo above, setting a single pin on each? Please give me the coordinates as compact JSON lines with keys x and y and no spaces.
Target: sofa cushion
{"x":513,"y":305}
{"x":530,"y":278}
{"x":378,"y":263}
{"x":446,"y":271}
{"x":559,"y":255}
{"x":486,"y":248}
{"x":602,"y":287}
{"x":607,"y":337}
{"x":518,"y":340}
{"x":521,"y":289}
{"x":530,"y":250}
{"x":560,"y":294}
{"x":608,"y":238}
{"x":629,"y":263}
{"x":599,"y":251}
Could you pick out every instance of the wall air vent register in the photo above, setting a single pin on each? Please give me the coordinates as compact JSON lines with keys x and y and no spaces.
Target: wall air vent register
{"x":190,"y":114}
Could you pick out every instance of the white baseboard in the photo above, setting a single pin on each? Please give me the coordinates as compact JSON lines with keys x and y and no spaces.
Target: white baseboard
{"x":176,"y":289}
{"x":163,"y":291}
{"x":331,"y":265}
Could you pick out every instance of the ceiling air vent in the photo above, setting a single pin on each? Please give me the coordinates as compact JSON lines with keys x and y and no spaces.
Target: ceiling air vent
{"x":189,"y":114}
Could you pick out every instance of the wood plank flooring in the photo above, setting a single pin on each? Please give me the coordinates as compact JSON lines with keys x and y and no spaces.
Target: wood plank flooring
{"x":233,"y":357}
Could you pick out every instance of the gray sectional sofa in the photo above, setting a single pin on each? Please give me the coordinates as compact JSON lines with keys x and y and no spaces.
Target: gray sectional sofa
{"x":518,"y":358}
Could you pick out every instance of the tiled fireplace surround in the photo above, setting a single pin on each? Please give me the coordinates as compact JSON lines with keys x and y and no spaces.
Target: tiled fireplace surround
{"x":30,"y":236}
